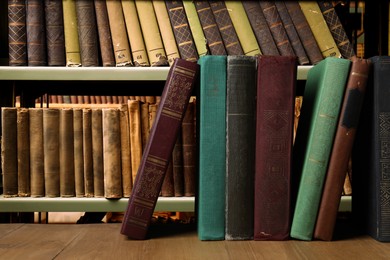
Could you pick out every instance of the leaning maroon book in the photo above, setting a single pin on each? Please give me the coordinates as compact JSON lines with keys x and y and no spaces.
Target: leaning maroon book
{"x":177,"y":91}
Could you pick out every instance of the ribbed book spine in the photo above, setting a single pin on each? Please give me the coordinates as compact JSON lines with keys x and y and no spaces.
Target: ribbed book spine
{"x":135,"y":136}
{"x":189,"y":151}
{"x":97,"y":152}
{"x":17,"y":36}
{"x":127,"y":183}
{"x":72,"y":46}
{"x":87,"y":150}
{"x":78,"y":152}
{"x":23,"y":152}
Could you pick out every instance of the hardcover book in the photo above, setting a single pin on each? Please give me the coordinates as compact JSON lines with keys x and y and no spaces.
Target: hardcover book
{"x":36,"y":38}
{"x":97,"y":152}
{"x":276,"y":84}
{"x":87,"y":151}
{"x":17,"y":36}
{"x":135,"y":136}
{"x":72,"y":46}
{"x":127,"y":182}
{"x":23,"y":152}
{"x":178,"y":88}
{"x":322,"y":99}
{"x":189,"y":149}
{"x":54,"y":24}
{"x":78,"y":152}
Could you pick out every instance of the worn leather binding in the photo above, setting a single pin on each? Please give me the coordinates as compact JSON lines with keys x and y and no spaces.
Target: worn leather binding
{"x":178,"y":88}
{"x":23,"y":138}
{"x":17,"y":36}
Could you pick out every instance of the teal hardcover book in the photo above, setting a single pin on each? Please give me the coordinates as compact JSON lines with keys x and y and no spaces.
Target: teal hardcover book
{"x":212,"y":148}
{"x":322,"y":99}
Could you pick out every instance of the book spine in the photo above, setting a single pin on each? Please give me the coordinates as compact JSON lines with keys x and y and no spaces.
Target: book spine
{"x":181,"y":30}
{"x":136,"y":39}
{"x":189,"y":151}
{"x":135,"y":136}
{"x":240,"y":133}
{"x":105,"y":39}
{"x":168,"y":188}
{"x":181,"y":78}
{"x":127,"y":183}
{"x":145,"y":127}
{"x":213,"y":37}
{"x":342,"y":147}
{"x":36,"y":38}
{"x":51,"y":151}
{"x":9,"y":152}
{"x":260,"y":28}
{"x":177,"y":165}
{"x":243,"y":28}
{"x":23,"y":153}
{"x":212,"y":144}
{"x":88,"y":152}
{"x":78,"y":152}
{"x":55,"y":41}
{"x":87,"y":31}
{"x":97,"y":152}
{"x":17,"y":35}
{"x":72,"y":46}
{"x":276,"y":80}
{"x":167,"y":35}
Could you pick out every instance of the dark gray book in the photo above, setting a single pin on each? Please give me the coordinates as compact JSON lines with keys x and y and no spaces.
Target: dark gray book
{"x":36,"y":37}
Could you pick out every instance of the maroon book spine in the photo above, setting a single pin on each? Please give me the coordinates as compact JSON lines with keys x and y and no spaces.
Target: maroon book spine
{"x":276,"y":84}
{"x":178,"y":88}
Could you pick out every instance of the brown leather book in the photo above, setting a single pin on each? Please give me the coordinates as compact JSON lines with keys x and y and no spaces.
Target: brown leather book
{"x":88,"y":154}
{"x":177,"y":167}
{"x":51,"y":131}
{"x":55,"y":40}
{"x":276,"y":85}
{"x":226,"y":28}
{"x":145,"y":127}
{"x":23,"y":153}
{"x":127,"y":182}
{"x":342,"y":148}
{"x":181,"y":30}
{"x":189,"y":151}
{"x":78,"y":152}
{"x":105,"y":40}
{"x":260,"y":28}
{"x":181,"y":79}
{"x":210,"y":29}
{"x":168,"y":186}
{"x":87,"y":30}
{"x":135,"y":136}
{"x":304,"y":32}
{"x":17,"y":36}
{"x":97,"y":152}
{"x":36,"y":38}
{"x":111,"y":153}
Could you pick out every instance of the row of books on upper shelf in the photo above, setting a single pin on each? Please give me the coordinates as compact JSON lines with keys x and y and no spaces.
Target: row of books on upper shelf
{"x":88,"y":152}
{"x":154,"y":32}
{"x":255,"y":180}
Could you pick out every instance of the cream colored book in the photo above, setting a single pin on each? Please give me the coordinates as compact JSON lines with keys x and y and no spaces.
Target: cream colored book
{"x":72,"y":46}
{"x":320,"y":29}
{"x":151,"y":33}
{"x":134,"y":32}
{"x":167,"y":35}
{"x":243,"y":28}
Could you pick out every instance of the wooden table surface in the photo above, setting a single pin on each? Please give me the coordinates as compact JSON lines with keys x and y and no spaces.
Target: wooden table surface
{"x":104,"y":241}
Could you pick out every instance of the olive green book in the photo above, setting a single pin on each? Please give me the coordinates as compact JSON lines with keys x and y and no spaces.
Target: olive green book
{"x":72,"y":46}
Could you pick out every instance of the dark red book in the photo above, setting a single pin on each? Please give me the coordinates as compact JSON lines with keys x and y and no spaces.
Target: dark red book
{"x":178,"y":88}
{"x":276,"y":83}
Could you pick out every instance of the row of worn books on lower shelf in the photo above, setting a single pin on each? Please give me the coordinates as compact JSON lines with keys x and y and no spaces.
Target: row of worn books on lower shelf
{"x":88,"y":152}
{"x":154,"y":33}
{"x":255,"y":180}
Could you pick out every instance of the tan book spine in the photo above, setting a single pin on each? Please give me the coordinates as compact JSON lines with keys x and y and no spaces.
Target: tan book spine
{"x":87,"y":150}
{"x":137,"y":44}
{"x":151,"y":33}
{"x":23,"y":153}
{"x":243,"y":28}
{"x":145,"y":128}
{"x":97,"y":152}
{"x":36,"y":152}
{"x":166,"y":31}
{"x":111,"y":153}
{"x":67,"y":165}
{"x":119,"y":36}
{"x":320,"y":29}
{"x":9,"y":146}
{"x":152,"y":114}
{"x":51,"y":130}
{"x":127,"y":183}
{"x":78,"y":152}
{"x":72,"y":46}
{"x":135,"y":135}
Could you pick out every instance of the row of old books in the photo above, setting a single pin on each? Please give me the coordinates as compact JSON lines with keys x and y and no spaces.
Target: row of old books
{"x":88,"y":152}
{"x":154,"y":33}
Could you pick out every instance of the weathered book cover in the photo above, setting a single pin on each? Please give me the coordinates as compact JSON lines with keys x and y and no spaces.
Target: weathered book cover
{"x":133,"y":27}
{"x":97,"y":152}
{"x":181,"y":30}
{"x":320,"y":110}
{"x":127,"y":183}
{"x":240,"y":136}
{"x":276,"y":84}
{"x":260,"y":27}
{"x":17,"y":36}
{"x":177,"y":165}
{"x":168,"y":188}
{"x":111,"y":153}
{"x":189,"y":148}
{"x":212,"y":144}
{"x":145,"y":127}
{"x":72,"y":46}
{"x":23,"y":152}
{"x":243,"y":28}
{"x":135,"y":136}
{"x":78,"y":152}
{"x":36,"y":37}
{"x":87,"y":150}
{"x":342,"y":148}
{"x":9,"y":152}
{"x":51,"y":131}
{"x":55,"y":41}
{"x":87,"y":31}
{"x":210,"y":29}
{"x":370,"y":156}
{"x":151,"y":33}
{"x":178,"y":88}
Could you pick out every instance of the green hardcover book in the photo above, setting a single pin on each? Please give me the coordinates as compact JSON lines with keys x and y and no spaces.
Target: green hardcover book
{"x":212,"y":144}
{"x":323,"y":95}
